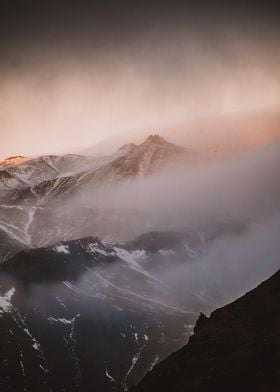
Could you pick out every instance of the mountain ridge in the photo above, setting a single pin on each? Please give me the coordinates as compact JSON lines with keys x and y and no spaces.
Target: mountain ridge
{"x":236,"y":348}
{"x":131,"y":161}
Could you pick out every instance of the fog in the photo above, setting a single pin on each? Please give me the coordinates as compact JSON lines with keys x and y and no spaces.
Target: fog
{"x":223,"y":264}
{"x":215,"y":227}
{"x":232,"y":265}
{"x":229,"y":212}
{"x":114,"y":264}
{"x":243,"y":188}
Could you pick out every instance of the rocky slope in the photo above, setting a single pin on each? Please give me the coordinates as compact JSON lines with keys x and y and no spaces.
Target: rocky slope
{"x":86,"y":313}
{"x":152,"y":155}
{"x":19,"y":173}
{"x":236,"y":349}
{"x":36,"y":208}
{"x":130,"y":161}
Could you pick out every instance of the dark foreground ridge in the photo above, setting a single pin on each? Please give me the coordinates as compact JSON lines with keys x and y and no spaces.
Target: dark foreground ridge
{"x":236,"y":349}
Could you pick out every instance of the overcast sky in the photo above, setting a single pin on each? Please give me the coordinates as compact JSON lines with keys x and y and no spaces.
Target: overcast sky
{"x":74,"y":73}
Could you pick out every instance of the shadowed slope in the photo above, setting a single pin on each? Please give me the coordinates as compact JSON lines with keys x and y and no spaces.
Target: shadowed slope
{"x":237,"y":348}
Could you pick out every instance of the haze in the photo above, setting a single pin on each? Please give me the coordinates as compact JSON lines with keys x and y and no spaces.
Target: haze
{"x":78,"y":82}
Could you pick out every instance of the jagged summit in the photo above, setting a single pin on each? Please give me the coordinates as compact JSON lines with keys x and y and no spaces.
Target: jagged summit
{"x":155,"y":139}
{"x":148,"y":157}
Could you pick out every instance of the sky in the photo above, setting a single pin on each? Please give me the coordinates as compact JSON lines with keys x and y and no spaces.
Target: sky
{"x":73,"y":73}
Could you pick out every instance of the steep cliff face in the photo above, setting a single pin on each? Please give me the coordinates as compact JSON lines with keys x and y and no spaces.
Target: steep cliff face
{"x":236,"y":349}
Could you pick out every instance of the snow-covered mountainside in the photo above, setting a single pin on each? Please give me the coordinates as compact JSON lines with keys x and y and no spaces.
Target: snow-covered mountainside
{"x":25,"y":226}
{"x":21,"y":173}
{"x":106,"y":263}
{"x":85,"y":313}
{"x":99,"y":318}
{"x":130,"y":161}
{"x":31,"y":191}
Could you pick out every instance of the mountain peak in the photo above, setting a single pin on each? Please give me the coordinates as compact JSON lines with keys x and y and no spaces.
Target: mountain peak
{"x":155,"y":139}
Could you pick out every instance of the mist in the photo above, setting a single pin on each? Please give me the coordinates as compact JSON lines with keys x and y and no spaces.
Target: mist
{"x":242,"y":188}
{"x":71,"y":96}
{"x":231,"y":210}
{"x":110,"y":252}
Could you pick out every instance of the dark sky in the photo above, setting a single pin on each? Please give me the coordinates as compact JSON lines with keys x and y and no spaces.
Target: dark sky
{"x":79,"y":71}
{"x":69,"y":25}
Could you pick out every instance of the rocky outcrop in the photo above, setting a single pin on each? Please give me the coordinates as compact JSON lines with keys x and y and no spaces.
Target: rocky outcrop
{"x":236,"y":349}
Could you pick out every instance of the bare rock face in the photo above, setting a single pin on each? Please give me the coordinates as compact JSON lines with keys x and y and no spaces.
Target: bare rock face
{"x":236,"y":349}
{"x":150,"y":156}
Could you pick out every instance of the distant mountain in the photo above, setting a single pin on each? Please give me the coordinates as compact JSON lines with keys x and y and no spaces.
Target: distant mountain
{"x":236,"y":349}
{"x":13,"y":160}
{"x":221,"y":135}
{"x":34,"y":209}
{"x":19,"y":173}
{"x":48,"y":177}
{"x":153,"y":154}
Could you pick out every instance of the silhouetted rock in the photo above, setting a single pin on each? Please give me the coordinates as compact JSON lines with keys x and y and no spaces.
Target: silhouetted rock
{"x":236,"y":349}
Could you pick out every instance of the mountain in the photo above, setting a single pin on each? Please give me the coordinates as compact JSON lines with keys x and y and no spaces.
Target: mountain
{"x":236,"y":348}
{"x":49,"y":177}
{"x":36,"y":195}
{"x":86,"y":314}
{"x":13,"y":160}
{"x":150,"y":156}
{"x":85,"y":301}
{"x":223,"y":134}
{"x":19,"y":173}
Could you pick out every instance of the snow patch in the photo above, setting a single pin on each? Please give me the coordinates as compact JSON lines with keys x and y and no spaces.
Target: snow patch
{"x":62,"y":249}
{"x":5,"y":301}
{"x":155,"y":361}
{"x":60,"y":302}
{"x":95,"y":248}
{"x":36,"y":346}
{"x":110,"y":377}
{"x":61,"y":320}
{"x":166,"y":252}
